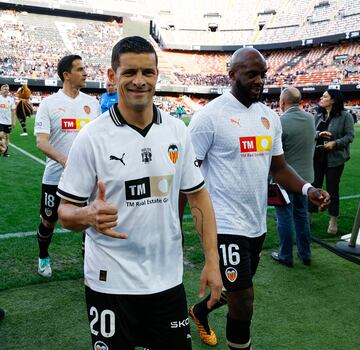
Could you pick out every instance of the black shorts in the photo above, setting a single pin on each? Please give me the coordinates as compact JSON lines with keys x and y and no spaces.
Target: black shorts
{"x":5,"y":128}
{"x":156,"y":321}
{"x":239,"y":259}
{"x":49,"y":202}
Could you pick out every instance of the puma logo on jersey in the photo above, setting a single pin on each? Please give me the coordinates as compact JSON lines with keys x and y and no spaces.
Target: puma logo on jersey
{"x":116,"y":158}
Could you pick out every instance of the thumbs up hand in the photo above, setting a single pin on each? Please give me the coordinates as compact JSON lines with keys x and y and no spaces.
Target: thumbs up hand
{"x":103,"y":216}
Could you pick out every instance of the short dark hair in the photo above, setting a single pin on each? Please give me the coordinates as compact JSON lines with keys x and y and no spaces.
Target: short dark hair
{"x":130,"y":44}
{"x":65,"y":65}
{"x":338,"y":105}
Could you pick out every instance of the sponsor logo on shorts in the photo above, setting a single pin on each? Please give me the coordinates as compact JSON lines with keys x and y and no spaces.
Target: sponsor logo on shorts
{"x":173,"y":153}
{"x":179,"y":324}
{"x":99,"y":345}
{"x":231,"y":274}
{"x":48,"y":212}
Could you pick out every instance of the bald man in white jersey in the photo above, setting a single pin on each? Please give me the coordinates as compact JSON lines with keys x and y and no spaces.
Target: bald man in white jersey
{"x":237,"y":139}
{"x":58,"y":121}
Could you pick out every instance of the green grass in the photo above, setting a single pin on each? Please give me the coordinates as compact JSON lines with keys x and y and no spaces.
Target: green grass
{"x":302,"y":308}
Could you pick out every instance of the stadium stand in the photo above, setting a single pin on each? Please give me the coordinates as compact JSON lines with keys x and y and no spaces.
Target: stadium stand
{"x":33,"y":43}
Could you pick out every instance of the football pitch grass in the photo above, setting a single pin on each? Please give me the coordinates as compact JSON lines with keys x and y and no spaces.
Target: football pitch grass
{"x":302,"y":308}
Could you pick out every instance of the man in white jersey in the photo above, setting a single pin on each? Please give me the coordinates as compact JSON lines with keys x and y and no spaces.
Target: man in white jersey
{"x":7,"y":116}
{"x":237,"y":140}
{"x":58,"y":121}
{"x":129,"y":166}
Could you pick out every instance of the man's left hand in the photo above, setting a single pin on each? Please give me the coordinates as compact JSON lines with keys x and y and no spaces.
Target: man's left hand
{"x":319,"y":197}
{"x":211,"y":276}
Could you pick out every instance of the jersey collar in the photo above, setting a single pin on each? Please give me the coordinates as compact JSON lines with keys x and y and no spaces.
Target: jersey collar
{"x":119,"y":120}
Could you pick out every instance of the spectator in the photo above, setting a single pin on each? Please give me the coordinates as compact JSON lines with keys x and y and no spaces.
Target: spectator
{"x":295,"y":144}
{"x":334,"y":133}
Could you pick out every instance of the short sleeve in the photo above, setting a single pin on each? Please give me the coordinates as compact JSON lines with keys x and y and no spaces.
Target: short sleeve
{"x":191,"y":177}
{"x":79,"y":177}
{"x":42,"y":119}
{"x":202,"y":134}
{"x":13,"y":104}
{"x":277,"y":149}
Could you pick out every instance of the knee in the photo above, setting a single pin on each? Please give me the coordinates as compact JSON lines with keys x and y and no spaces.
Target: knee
{"x":48,"y":224}
{"x":241,"y":307}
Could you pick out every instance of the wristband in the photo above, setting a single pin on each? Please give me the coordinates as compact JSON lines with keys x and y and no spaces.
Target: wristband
{"x":305,"y":188}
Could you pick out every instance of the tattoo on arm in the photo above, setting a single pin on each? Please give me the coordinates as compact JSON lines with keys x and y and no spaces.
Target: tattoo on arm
{"x":198,"y":218}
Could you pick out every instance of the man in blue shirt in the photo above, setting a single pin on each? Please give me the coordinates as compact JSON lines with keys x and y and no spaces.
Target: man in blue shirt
{"x":108,"y":98}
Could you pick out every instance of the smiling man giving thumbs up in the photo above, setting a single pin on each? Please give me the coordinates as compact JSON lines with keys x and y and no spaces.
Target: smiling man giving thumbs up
{"x":121,"y":183}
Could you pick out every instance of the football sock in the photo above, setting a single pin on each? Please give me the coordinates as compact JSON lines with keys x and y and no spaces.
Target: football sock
{"x":238,"y":334}
{"x":23,"y":125}
{"x":201,"y":310}
{"x":44,"y":236}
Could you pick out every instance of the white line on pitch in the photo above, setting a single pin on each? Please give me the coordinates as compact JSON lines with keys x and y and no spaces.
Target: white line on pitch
{"x":28,"y":154}
{"x":26,"y":234}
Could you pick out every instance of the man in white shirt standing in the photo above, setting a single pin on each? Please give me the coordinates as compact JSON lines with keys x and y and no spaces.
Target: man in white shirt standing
{"x":58,"y":121}
{"x":7,"y":116}
{"x":128,"y":166}
{"x":237,"y":139}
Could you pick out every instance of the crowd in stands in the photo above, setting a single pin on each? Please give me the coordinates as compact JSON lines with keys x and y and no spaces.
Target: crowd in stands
{"x":32,"y":44}
{"x":258,"y":22}
{"x":300,"y":67}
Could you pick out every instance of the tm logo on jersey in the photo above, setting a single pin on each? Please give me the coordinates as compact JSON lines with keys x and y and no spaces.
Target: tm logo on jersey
{"x":146,"y":187}
{"x":73,"y":124}
{"x":255,"y":143}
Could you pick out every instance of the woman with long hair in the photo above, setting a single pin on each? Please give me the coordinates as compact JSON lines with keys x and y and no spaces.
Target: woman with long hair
{"x":334,"y":133}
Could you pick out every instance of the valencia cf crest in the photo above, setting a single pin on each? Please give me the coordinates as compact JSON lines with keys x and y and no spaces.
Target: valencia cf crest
{"x":87,"y":109}
{"x":146,"y":155}
{"x":99,"y":345}
{"x":48,"y":212}
{"x":173,"y":153}
{"x":231,"y":274}
{"x":265,"y":122}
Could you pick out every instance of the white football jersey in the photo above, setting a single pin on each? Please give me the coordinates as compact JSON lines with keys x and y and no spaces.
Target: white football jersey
{"x":7,"y":104}
{"x":236,"y":145}
{"x":62,"y":117}
{"x":143,"y":174}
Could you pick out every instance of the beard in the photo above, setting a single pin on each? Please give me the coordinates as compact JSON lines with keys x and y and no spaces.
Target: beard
{"x":243,"y":92}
